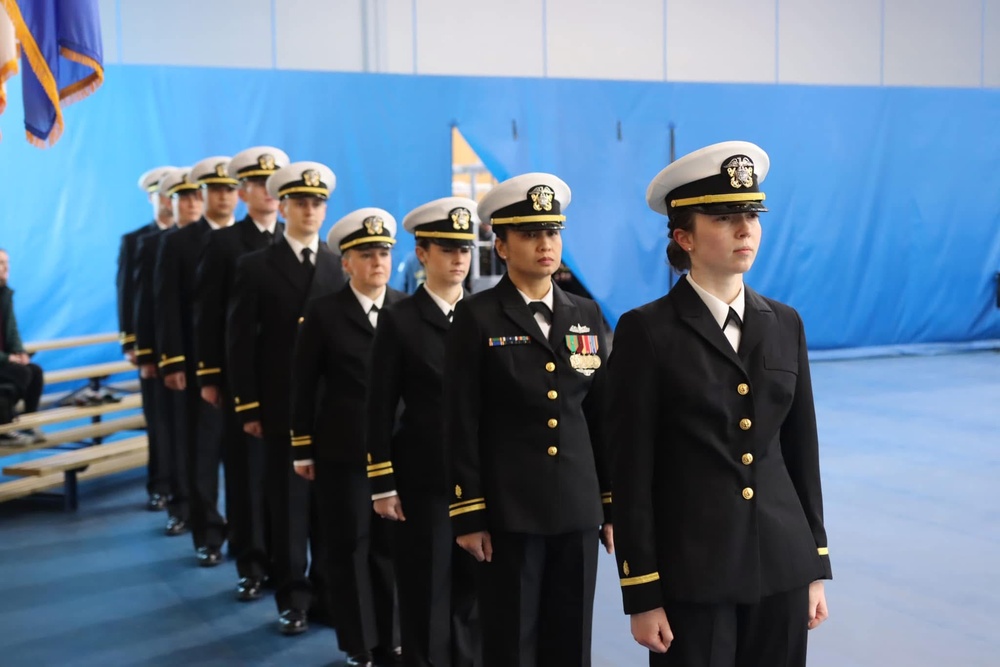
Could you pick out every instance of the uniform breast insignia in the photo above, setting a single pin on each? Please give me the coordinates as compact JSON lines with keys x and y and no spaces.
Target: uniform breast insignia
{"x":501,"y":341}
{"x":583,"y":355}
{"x":580,"y":328}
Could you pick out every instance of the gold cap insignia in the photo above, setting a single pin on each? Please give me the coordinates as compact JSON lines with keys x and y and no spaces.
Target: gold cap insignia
{"x":220,"y":170}
{"x":266,"y":161}
{"x":311,"y":178}
{"x":740,"y":170}
{"x":460,"y":218}
{"x":541,"y":197}
{"x":458,"y":491}
{"x":625,"y":568}
{"x":374,"y":225}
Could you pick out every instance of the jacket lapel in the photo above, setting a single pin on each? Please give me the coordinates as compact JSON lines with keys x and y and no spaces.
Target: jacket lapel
{"x":696,"y":315}
{"x":352,"y":307}
{"x":757,"y":319}
{"x":429,"y":311}
{"x":327,"y":274}
{"x":283,"y":258}
{"x":517,"y":310}
{"x":565,"y":314}
{"x":250,"y":236}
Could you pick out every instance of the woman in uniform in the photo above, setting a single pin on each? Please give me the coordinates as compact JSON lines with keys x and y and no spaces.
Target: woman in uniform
{"x":523,"y":405}
{"x":721,"y":546}
{"x":407,"y":466}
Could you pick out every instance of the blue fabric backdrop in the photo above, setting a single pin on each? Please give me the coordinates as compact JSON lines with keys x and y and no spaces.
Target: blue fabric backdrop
{"x":884,"y":227}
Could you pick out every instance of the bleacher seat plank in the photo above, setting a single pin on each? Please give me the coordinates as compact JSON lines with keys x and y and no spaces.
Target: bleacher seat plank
{"x":73,"y":341}
{"x":80,"y":433}
{"x":86,"y":456}
{"x":56,"y":415}
{"x":88,"y":372}
{"x":25,"y":486}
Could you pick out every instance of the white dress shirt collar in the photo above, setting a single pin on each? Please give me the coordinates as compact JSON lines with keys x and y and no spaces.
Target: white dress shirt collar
{"x":441,"y":303}
{"x":720,"y":310}
{"x":263,"y":228}
{"x":367,"y":303}
{"x":297,"y":247}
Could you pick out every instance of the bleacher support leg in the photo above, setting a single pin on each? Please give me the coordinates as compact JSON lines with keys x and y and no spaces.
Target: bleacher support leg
{"x":69,"y":495}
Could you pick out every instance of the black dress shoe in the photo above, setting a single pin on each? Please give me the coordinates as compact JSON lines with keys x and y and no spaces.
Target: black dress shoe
{"x":157,"y":502}
{"x":209,"y":556}
{"x":293,"y":622}
{"x":388,"y":656}
{"x":248,"y":589}
{"x":359,"y":660}
{"x":175,"y":526}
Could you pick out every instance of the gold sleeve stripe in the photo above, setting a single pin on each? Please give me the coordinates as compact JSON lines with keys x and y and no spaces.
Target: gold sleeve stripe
{"x":606,"y":500}
{"x":171,"y":360}
{"x":644,"y":579}
{"x":248,"y":406}
{"x":138,"y":352}
{"x":379,"y":473}
{"x":466,"y":502}
{"x":466,"y":510}
{"x":208,"y":371}
{"x":301,"y":437}
{"x":823,"y":551}
{"x":302,"y":443}
{"x":379,"y":466}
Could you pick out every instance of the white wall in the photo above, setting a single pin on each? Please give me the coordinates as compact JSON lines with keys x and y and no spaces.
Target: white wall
{"x":845,"y":42}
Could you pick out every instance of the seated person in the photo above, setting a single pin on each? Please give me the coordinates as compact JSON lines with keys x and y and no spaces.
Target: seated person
{"x":16,"y":369}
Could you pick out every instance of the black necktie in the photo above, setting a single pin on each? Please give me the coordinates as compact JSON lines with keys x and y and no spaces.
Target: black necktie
{"x":373,"y":311}
{"x":451,"y":315}
{"x":734,"y":318}
{"x":306,"y":253}
{"x":541,"y":307}
{"x":269,"y":237}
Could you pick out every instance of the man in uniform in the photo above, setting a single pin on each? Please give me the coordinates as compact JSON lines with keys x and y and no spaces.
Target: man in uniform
{"x":243,"y":454}
{"x":158,"y":477}
{"x":270,"y":293}
{"x":199,"y":424}
{"x":331,"y":360}
{"x":187,"y":206}
{"x":523,"y":404}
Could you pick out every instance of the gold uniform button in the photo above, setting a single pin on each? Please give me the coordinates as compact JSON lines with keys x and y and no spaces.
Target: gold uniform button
{"x":747,"y":459}
{"x":743,"y":389}
{"x":550,"y":367}
{"x":553,"y":394}
{"x":553,"y":451}
{"x":745,"y":424}
{"x":553,"y":423}
{"x":747,"y":493}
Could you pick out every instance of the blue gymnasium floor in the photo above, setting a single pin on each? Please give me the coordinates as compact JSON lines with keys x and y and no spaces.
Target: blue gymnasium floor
{"x":911,"y":456}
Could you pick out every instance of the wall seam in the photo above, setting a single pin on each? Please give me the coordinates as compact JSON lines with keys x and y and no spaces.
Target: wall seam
{"x":545,"y":39}
{"x":413,"y":11}
{"x":665,"y":40}
{"x":881,"y":46}
{"x":274,"y":34}
{"x":777,"y":41}
{"x":118,"y":31}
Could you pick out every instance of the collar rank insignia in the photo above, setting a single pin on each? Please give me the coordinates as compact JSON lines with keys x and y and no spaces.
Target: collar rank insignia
{"x":579,"y":328}
{"x":740,"y":170}
{"x":541,"y":197}
{"x":266,"y":161}
{"x":311,"y":178}
{"x":374,"y":225}
{"x":460,"y":218}
{"x":220,"y":170}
